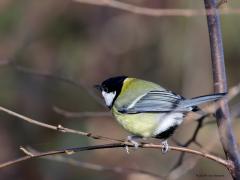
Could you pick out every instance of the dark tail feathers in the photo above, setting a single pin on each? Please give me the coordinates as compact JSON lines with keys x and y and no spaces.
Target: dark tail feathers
{"x":201,"y":99}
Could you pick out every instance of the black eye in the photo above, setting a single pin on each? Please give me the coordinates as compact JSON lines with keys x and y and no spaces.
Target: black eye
{"x":105,"y":89}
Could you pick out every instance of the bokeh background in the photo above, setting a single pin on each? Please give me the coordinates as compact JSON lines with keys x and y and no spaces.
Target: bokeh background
{"x":53,"y":52}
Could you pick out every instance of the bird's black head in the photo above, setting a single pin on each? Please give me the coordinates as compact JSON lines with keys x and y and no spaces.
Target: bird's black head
{"x":113,"y":84}
{"x":111,"y":88}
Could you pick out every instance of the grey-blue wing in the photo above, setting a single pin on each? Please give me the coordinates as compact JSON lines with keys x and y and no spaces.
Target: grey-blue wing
{"x":155,"y":102}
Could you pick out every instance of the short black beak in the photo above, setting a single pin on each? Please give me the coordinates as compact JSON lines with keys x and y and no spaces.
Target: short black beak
{"x":98,"y":87}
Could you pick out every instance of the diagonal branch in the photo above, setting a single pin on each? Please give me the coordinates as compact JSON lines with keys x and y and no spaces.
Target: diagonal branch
{"x":69,"y":114}
{"x":154,"y":12}
{"x":59,"y":127}
{"x":97,"y":167}
{"x":69,"y":151}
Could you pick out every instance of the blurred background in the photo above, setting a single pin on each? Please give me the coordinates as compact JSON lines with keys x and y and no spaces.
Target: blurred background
{"x":53,"y":52}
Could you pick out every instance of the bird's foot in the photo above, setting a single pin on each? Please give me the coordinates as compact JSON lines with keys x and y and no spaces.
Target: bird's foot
{"x":132,"y":139}
{"x":127,"y":149}
{"x":165,"y":147}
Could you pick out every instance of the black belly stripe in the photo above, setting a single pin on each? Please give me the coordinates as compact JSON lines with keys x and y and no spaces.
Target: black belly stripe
{"x":166,"y":134}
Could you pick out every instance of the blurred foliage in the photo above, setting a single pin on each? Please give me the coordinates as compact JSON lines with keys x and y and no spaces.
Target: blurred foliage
{"x":87,"y":44}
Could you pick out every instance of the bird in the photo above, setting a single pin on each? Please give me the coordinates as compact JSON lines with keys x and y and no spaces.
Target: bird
{"x":146,"y":109}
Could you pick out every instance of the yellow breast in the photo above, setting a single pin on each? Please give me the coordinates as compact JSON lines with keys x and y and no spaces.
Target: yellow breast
{"x":142,"y":124}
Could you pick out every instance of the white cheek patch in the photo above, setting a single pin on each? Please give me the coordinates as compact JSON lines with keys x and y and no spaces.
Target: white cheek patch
{"x":108,"y":97}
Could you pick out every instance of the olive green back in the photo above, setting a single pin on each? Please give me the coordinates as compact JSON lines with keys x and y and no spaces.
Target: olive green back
{"x":132,"y":89}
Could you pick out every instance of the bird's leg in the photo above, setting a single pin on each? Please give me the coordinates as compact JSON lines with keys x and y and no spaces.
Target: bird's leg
{"x":132,"y":139}
{"x":165,"y":147}
{"x":127,"y":149}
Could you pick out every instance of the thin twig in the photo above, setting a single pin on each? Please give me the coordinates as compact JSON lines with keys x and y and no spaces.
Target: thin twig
{"x":154,"y":12}
{"x":59,"y":127}
{"x":69,"y":114}
{"x":227,"y":137}
{"x":96,"y":167}
{"x":73,"y":150}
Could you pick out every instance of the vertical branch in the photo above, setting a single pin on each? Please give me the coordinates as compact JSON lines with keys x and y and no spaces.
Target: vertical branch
{"x":220,"y":85}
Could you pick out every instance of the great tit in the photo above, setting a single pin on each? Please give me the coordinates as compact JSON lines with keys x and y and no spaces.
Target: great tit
{"x":146,"y":109}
